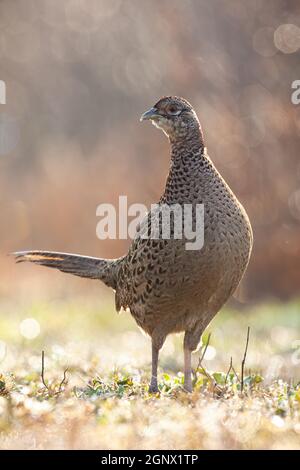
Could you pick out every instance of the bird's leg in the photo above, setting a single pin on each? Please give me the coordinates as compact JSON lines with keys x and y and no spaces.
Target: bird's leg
{"x":188,"y":370}
{"x":191,"y":341}
{"x":153,"y":388}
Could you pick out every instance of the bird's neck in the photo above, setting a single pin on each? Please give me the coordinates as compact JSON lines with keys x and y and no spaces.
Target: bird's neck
{"x":187,"y":148}
{"x":190,"y":167}
{"x":190,"y":143}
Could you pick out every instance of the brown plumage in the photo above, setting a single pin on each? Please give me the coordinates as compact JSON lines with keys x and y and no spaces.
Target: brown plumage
{"x":166,"y":287}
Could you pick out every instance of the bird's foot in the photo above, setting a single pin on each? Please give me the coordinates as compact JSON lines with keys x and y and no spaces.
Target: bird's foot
{"x":188,"y":387}
{"x":153,"y":388}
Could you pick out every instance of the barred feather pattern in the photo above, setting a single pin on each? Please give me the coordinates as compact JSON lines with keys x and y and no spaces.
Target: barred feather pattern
{"x":104,"y":270}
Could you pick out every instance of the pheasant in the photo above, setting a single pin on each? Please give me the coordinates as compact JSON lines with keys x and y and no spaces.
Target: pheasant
{"x":166,"y":287}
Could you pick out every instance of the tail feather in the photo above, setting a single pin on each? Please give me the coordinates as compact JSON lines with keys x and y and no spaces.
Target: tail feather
{"x":83,"y":266}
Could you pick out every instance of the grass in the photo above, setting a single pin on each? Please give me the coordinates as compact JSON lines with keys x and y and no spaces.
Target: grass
{"x":103,"y":400}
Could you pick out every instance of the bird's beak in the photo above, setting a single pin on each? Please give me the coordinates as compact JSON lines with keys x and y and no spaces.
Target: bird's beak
{"x":152,"y":113}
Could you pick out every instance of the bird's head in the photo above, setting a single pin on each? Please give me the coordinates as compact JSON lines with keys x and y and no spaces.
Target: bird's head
{"x":174,"y":115}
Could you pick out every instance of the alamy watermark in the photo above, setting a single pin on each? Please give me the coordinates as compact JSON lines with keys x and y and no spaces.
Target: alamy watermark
{"x":163,"y":221}
{"x":295,"y":97}
{"x":2,"y":92}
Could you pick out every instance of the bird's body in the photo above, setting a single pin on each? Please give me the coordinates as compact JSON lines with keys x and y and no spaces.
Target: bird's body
{"x":167,"y":287}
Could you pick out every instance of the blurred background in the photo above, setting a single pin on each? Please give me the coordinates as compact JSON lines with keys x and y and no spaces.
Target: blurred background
{"x":78,"y":75}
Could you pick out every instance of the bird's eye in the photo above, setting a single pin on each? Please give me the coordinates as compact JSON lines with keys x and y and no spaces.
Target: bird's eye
{"x":173,"y":110}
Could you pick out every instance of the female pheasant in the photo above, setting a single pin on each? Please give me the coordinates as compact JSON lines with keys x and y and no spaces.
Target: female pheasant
{"x":167,"y":287}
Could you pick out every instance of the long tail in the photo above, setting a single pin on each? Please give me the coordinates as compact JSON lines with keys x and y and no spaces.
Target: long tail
{"x":83,"y":266}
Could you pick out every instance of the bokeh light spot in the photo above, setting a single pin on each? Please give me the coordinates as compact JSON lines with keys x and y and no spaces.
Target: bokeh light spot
{"x":210,"y":353}
{"x":287,"y":38}
{"x":30,"y":328}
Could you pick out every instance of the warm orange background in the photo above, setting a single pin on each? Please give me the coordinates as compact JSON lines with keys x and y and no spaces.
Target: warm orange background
{"x":80,"y":73}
